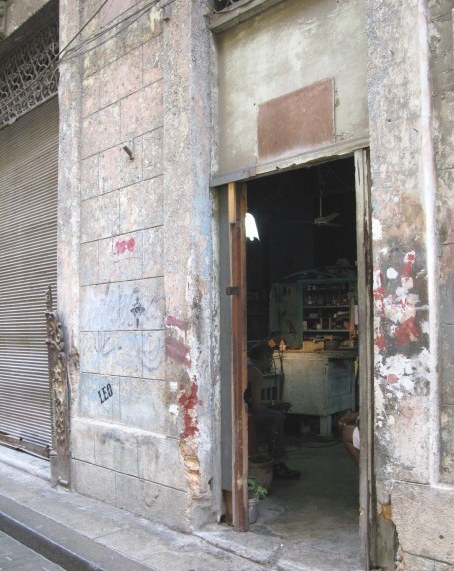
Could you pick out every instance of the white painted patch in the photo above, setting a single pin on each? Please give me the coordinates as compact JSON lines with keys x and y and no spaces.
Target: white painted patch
{"x":376,"y":279}
{"x":407,"y":283}
{"x":379,"y":402}
{"x":391,"y":273}
{"x":155,"y":18}
{"x":173,"y":409}
{"x":425,"y":326}
{"x":173,"y":386}
{"x":377,"y":233}
{"x":403,"y":370}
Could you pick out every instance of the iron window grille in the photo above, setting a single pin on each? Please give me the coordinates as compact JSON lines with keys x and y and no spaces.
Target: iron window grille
{"x":29,"y":75}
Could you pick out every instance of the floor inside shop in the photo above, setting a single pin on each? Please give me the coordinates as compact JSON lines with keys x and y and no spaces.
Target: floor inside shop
{"x":306,"y":220}
{"x":320,"y":510}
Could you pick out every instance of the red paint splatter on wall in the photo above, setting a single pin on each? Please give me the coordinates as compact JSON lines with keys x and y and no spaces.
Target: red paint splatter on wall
{"x":396,"y":309}
{"x":123,"y":245}
{"x":392,"y":378}
{"x":188,"y":402}
{"x":407,"y":331}
{"x":379,"y":291}
{"x":178,"y":351}
{"x":380,"y":341}
{"x":409,"y":260}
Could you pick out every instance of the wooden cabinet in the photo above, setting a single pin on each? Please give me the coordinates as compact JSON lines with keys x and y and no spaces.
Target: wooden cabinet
{"x":320,"y":383}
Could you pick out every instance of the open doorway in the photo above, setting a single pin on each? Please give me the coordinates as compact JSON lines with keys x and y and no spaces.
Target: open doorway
{"x":302,"y":300}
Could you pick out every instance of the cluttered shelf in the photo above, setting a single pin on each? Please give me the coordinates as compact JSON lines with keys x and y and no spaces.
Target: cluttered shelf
{"x":319,"y":308}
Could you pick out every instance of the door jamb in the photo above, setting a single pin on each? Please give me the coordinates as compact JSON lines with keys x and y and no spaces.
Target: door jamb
{"x":367,"y":517}
{"x":237,"y":213}
{"x":237,"y":205}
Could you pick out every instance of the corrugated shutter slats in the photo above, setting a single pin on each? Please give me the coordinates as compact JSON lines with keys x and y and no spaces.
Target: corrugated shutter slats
{"x":28,"y":264}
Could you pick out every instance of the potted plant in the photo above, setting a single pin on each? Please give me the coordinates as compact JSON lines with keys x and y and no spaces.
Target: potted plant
{"x":256,"y":492}
{"x":261,"y":468}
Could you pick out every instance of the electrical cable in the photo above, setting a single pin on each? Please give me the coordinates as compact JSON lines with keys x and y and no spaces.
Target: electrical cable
{"x":99,"y":34}
{"x":48,"y":66}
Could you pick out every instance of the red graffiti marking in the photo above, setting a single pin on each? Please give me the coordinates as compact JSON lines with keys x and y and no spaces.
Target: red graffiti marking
{"x":174,"y":321}
{"x":189,"y":401}
{"x":407,"y":331}
{"x":392,"y":378}
{"x":178,"y":351}
{"x":408,"y":266}
{"x":123,"y":245}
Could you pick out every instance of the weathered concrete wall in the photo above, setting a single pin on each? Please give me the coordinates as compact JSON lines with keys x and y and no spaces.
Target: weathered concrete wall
{"x":404,"y":191}
{"x":443,"y":86}
{"x":288,"y":47}
{"x":18,"y":11}
{"x":142,"y":421}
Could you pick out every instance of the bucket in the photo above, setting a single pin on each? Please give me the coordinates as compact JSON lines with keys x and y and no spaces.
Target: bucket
{"x":253,"y":505}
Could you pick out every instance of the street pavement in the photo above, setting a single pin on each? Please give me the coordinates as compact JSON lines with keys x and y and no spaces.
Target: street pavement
{"x":83,"y":534}
{"x":14,"y":555}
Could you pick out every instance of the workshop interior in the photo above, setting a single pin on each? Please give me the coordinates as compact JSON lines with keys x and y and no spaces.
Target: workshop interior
{"x":302,"y":299}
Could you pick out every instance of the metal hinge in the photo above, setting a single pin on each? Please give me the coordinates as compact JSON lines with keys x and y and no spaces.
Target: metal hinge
{"x":233,"y":290}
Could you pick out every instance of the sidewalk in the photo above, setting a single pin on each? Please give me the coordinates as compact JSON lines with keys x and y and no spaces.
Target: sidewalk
{"x":81,"y":533}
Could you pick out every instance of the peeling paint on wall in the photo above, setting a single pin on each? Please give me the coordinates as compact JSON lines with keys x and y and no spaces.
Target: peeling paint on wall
{"x":396,"y":307}
{"x":188,"y":401}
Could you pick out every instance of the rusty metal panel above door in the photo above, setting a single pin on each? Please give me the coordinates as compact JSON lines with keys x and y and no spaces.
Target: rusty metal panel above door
{"x":297,"y":121}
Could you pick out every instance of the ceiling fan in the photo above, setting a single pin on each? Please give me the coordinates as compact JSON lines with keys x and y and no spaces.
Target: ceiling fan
{"x":328,"y":219}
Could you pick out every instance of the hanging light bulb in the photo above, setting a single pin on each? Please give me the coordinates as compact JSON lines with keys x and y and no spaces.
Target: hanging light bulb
{"x":251,"y":227}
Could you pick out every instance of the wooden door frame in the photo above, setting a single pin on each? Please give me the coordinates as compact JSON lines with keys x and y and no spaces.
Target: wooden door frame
{"x":367,"y":495}
{"x":236,"y":213}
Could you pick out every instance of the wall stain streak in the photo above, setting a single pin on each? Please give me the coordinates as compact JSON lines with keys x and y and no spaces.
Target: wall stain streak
{"x":178,"y":351}
{"x":176,"y":322}
{"x":188,"y":401}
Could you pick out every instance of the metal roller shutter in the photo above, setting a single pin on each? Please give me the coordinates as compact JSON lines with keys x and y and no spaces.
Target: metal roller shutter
{"x":28,"y":264}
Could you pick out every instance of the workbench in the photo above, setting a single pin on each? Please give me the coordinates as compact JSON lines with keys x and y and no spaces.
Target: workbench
{"x":320,"y":383}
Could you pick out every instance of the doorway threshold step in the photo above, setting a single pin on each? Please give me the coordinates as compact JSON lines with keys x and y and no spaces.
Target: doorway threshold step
{"x":276,"y":553}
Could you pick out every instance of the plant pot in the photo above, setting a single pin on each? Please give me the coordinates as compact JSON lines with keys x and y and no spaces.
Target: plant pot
{"x":253,"y":505}
{"x":262,"y":472}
